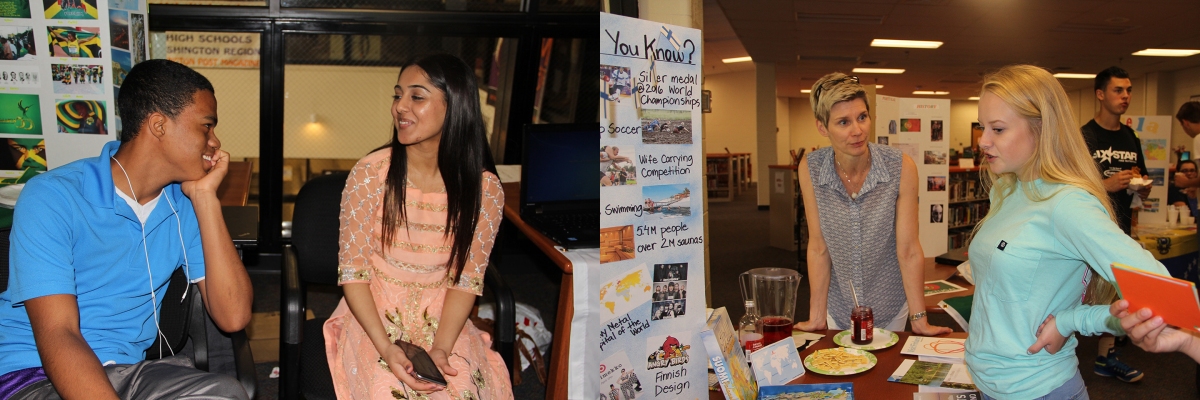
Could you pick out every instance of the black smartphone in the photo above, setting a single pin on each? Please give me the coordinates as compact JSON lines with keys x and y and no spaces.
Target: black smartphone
{"x":423,"y":366}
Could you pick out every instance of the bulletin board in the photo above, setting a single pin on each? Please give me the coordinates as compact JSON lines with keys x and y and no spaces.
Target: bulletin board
{"x":920,"y":129}
{"x":639,"y":312}
{"x":61,"y":67}
{"x":1154,"y":131}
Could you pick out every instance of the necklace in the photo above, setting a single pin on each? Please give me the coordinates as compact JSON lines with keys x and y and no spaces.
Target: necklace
{"x":846,"y":176}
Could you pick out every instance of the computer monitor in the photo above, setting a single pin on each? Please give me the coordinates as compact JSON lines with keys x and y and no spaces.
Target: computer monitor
{"x":559,"y":164}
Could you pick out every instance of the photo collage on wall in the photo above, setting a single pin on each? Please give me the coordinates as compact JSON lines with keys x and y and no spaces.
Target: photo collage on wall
{"x":918,"y":127}
{"x":55,"y":66}
{"x":640,"y":304}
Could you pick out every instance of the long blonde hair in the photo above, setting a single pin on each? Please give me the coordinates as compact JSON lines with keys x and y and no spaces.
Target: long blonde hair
{"x":1060,"y":154}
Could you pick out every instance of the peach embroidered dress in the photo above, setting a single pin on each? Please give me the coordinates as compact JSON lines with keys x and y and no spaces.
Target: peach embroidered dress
{"x":408,"y":280}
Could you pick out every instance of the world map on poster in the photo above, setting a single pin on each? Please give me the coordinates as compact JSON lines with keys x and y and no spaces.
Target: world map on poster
{"x":1155,"y":149}
{"x":624,"y":293}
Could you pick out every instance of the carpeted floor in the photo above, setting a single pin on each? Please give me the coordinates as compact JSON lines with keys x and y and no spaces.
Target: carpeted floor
{"x":739,"y":237}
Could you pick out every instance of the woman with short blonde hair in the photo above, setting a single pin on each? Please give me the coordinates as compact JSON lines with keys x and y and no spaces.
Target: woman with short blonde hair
{"x":860,"y":200}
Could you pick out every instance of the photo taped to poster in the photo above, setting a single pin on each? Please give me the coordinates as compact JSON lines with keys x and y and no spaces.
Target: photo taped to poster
{"x":118,"y":28}
{"x":935,"y":184}
{"x":618,"y":166}
{"x":666,"y":126}
{"x":75,"y":41}
{"x":19,"y":76}
{"x":616,"y":244}
{"x":71,"y":9}
{"x":17,"y":43}
{"x":121,"y":64}
{"x":667,"y":201}
{"x":20,"y":114}
{"x":22,"y":154}
{"x":77,"y":78}
{"x":137,"y":37}
{"x":81,"y":116}
{"x":14,"y":9}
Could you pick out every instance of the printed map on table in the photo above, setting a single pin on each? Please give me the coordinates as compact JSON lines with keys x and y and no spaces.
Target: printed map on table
{"x":625,"y":292}
{"x":777,"y":363}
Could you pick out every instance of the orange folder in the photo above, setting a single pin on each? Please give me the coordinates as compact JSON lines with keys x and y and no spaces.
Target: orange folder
{"x":1173,"y":299}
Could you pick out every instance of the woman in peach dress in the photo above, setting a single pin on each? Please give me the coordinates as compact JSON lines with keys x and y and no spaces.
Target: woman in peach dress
{"x":419,"y":217}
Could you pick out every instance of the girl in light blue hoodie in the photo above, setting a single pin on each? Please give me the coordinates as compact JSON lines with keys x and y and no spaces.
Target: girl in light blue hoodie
{"x":1050,"y":220}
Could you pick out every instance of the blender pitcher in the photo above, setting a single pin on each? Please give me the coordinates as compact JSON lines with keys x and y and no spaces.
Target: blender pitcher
{"x":774,"y":292}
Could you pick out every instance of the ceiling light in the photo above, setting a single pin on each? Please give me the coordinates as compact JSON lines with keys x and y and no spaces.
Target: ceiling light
{"x":976,"y":98}
{"x":1063,"y":75}
{"x":930,"y":92}
{"x":805,"y":90}
{"x":1167,"y":52}
{"x":908,"y":44}
{"x":736,"y":60}
{"x":878,"y":71}
{"x":879,"y":86}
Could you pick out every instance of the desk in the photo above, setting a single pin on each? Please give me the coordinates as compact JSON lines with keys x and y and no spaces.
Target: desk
{"x":939,"y":272}
{"x":235,"y":188}
{"x":872,"y":384}
{"x":556,"y":382}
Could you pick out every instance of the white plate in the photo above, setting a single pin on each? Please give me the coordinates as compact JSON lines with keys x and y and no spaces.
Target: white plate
{"x":847,"y":370}
{"x":881,"y":339}
{"x":9,"y":194}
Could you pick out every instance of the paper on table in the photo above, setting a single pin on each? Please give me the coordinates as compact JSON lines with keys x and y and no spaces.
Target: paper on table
{"x":805,"y":339}
{"x":940,"y":375}
{"x":934,"y":346}
{"x":939,"y":287}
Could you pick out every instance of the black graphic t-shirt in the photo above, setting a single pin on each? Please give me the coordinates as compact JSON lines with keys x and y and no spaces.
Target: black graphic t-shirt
{"x":1116,"y":151}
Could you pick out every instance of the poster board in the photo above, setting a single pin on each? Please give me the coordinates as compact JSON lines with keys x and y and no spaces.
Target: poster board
{"x":920,"y":128}
{"x":61,"y":64}
{"x":1155,"y":133}
{"x":641,"y":310}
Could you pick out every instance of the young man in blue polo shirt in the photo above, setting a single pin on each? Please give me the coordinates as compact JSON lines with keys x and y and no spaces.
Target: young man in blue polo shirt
{"x":94,"y":243}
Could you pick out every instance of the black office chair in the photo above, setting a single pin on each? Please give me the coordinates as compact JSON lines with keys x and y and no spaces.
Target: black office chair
{"x":312,"y":258}
{"x":180,"y":319}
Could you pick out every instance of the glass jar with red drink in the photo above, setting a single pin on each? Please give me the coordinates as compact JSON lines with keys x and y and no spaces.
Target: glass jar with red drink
{"x":862,"y":330}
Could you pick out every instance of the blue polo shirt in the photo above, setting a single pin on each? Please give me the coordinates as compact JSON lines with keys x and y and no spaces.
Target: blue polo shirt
{"x":72,"y":234}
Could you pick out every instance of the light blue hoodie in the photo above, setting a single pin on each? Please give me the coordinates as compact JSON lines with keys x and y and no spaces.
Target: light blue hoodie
{"x":1030,"y":260}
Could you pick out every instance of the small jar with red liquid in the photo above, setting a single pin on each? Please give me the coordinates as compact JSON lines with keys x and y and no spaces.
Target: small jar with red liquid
{"x":863,"y":329}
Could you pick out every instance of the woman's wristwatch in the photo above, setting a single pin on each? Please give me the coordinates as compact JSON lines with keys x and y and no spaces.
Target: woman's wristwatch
{"x":916,"y":316}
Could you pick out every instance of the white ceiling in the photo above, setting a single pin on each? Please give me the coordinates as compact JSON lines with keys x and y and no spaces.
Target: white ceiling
{"x":1083,"y":36}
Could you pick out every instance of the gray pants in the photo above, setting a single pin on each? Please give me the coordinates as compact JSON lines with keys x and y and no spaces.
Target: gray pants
{"x":168,"y":378}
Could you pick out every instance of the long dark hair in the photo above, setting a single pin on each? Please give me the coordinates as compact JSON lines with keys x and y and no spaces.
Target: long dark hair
{"x":463,"y":155}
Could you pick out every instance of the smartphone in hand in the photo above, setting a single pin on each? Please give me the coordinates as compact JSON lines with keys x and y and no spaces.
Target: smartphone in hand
{"x":423,"y":366}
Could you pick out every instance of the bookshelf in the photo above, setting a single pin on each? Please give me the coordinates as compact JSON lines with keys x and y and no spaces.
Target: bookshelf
{"x":968,"y":204}
{"x":721,"y":178}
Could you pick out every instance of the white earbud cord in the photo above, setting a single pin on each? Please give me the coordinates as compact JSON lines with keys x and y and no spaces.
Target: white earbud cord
{"x":146,"y":251}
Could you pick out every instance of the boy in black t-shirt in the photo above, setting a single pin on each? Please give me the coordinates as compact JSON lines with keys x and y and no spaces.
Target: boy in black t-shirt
{"x":1118,"y":153}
